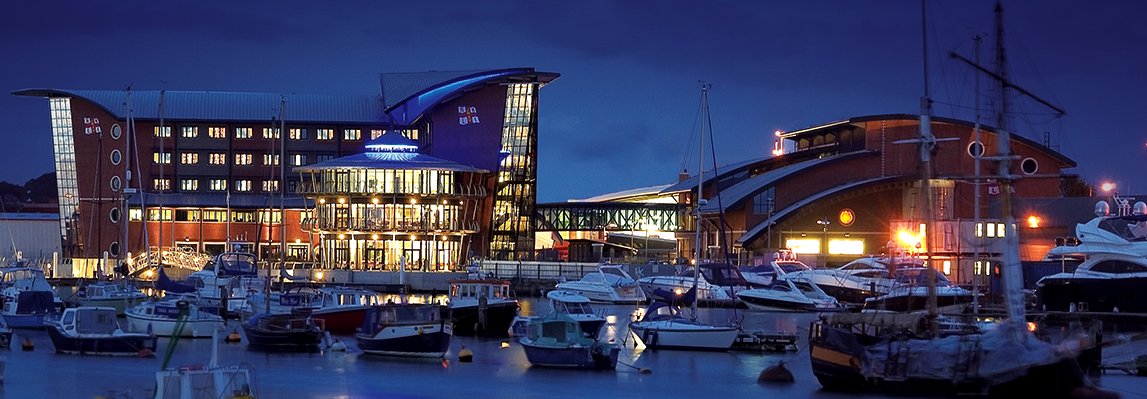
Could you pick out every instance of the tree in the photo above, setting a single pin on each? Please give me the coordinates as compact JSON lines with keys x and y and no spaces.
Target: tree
{"x":1075,"y":186}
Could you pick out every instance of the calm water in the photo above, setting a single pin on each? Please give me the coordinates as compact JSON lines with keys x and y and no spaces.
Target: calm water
{"x":495,"y":372}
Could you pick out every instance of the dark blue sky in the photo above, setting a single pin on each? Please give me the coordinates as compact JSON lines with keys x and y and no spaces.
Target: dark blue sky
{"x":622,"y":114}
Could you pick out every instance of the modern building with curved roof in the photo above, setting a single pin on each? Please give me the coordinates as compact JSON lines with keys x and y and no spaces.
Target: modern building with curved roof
{"x":203,"y":169}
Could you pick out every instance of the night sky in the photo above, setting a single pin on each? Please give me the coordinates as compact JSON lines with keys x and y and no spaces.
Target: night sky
{"x":624,"y":112}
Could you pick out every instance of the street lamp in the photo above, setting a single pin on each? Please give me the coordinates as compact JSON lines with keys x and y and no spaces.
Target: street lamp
{"x":824,"y":227}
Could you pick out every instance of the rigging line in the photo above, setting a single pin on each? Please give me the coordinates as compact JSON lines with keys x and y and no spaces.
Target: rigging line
{"x":145,"y":238}
{"x":722,"y":239}
{"x":692,"y":130}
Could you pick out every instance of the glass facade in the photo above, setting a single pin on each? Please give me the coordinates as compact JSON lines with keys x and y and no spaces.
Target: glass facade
{"x":66,"y":182}
{"x":512,"y":230}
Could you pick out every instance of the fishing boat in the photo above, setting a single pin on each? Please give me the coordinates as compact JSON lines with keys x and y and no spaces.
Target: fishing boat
{"x":342,"y":309}
{"x":172,"y":317}
{"x":26,"y":298}
{"x":1111,"y":267}
{"x":789,"y":295}
{"x":556,"y":340}
{"x":109,"y":293}
{"x":481,"y":305}
{"x":607,"y":284}
{"x":295,"y":331}
{"x":905,"y":353}
{"x":92,"y":330}
{"x":405,"y":330}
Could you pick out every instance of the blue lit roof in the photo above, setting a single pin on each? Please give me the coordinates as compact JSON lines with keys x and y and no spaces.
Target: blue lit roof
{"x":408,"y":96}
{"x":389,"y":160}
{"x":230,"y":106}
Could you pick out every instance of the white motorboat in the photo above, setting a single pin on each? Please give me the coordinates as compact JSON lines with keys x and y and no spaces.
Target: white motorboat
{"x":790,"y":295}
{"x":910,"y":293}
{"x":859,"y":279}
{"x":764,"y":275}
{"x":663,"y":326}
{"x":118,"y":295}
{"x":714,"y":281}
{"x":172,"y":317}
{"x":608,"y":284}
{"x":1113,"y":272}
{"x":230,"y":276}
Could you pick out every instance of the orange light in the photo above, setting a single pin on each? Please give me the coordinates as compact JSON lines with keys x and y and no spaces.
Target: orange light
{"x":1033,"y":221}
{"x":1107,"y":187}
{"x":1031,"y":326}
{"x":846,"y":217}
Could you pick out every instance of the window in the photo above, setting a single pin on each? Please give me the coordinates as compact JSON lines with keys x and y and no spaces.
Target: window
{"x":244,"y":159}
{"x":163,"y":131}
{"x":270,"y":159}
{"x":763,"y":203}
{"x":218,"y":184}
{"x":297,"y":134}
{"x":999,"y":230}
{"x":218,"y":158}
{"x":135,"y":214}
{"x":324,"y":157}
{"x":189,"y":158}
{"x":375,"y":133}
{"x":298,"y":159}
{"x":1029,"y":166}
{"x":217,"y":132}
{"x":324,"y":134}
{"x":161,"y":184}
{"x":189,"y":132}
{"x":243,"y":185}
{"x":162,"y":158}
{"x":243,"y":133}
{"x":352,"y":134}
{"x":270,"y":132}
{"x":159,"y":214}
{"x":1118,"y":267}
{"x":189,"y":184}
{"x":270,"y":186}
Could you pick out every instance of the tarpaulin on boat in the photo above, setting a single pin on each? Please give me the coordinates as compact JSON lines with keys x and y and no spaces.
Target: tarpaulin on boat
{"x":35,"y":302}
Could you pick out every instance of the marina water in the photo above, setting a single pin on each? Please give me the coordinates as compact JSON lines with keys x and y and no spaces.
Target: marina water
{"x":495,"y":372}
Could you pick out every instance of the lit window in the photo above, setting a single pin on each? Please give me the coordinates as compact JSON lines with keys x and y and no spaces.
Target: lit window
{"x":298,"y":134}
{"x":135,"y":214}
{"x":244,"y":159}
{"x":947,"y":267}
{"x":189,"y":158}
{"x":324,"y":157}
{"x":324,"y":134}
{"x":270,"y":159}
{"x":845,"y":246}
{"x":243,"y":185}
{"x":243,"y":133}
{"x":218,"y":158}
{"x":218,"y":184}
{"x":352,"y":134}
{"x":189,"y":132}
{"x":991,"y":230}
{"x":216,"y":132}
{"x":161,"y":184}
{"x":162,"y":158}
{"x":298,"y":159}
{"x":164,"y":131}
{"x":189,"y":184}
{"x":375,"y":133}
{"x":270,"y":186}
{"x":803,"y":245}
{"x":1000,"y":230}
{"x":270,"y":133}
{"x":979,"y":229}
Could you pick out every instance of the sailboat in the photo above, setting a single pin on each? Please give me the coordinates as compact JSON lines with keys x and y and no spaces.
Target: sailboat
{"x":664,"y":325}
{"x":906,"y":353}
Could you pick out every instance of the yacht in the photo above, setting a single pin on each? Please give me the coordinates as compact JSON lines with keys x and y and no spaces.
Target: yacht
{"x":859,"y":279}
{"x":481,"y":305}
{"x":26,"y":298}
{"x":1112,"y":273}
{"x":910,"y":293}
{"x":225,"y":282}
{"x":764,"y":275}
{"x":790,"y":295}
{"x":716,"y":282}
{"x":608,"y":284}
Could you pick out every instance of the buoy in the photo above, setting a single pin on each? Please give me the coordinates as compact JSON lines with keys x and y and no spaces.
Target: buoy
{"x":445,"y":363}
{"x":146,"y":352}
{"x":465,"y":355}
{"x":505,"y":344}
{"x":776,"y":373}
{"x":28,"y":345}
{"x":338,"y":346}
{"x":233,"y":337}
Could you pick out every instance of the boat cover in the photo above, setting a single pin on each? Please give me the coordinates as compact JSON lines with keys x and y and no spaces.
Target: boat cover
{"x":34,"y":302}
{"x":167,"y":284}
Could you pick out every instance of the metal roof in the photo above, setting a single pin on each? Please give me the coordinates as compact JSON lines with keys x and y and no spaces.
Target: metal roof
{"x":229,"y":106}
{"x":783,"y":213}
{"x":389,"y":160}
{"x":745,"y":189}
{"x":691,"y":182}
{"x":625,"y":194}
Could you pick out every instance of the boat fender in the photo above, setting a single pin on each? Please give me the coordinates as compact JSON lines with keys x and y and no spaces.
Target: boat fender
{"x":233,"y":337}
{"x":146,"y":353}
{"x":419,"y":330}
{"x":776,"y":373}
{"x":465,"y":355}
{"x":28,"y":345}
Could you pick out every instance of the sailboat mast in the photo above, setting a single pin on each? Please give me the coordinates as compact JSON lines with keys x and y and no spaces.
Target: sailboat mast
{"x":927,"y":143}
{"x":976,"y":209}
{"x":700,"y":184}
{"x":282,"y":190}
{"x":162,"y":166}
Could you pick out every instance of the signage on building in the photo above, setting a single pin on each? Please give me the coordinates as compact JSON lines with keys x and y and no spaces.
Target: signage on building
{"x":467,"y":115}
{"x":846,"y":217}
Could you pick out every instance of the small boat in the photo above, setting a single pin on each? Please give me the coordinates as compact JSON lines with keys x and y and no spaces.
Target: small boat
{"x":789,"y":295}
{"x":714,"y":282}
{"x":342,"y":309}
{"x":556,"y":340}
{"x":406,"y":330}
{"x":481,"y":306}
{"x":210,"y":380}
{"x":291,"y":331}
{"x":608,"y":284}
{"x":579,"y":308}
{"x":663,"y":326}
{"x":26,"y":297}
{"x":910,"y":293}
{"x":226,"y":281}
{"x":173,"y":317}
{"x":94,"y":330}
{"x":108,"y":293}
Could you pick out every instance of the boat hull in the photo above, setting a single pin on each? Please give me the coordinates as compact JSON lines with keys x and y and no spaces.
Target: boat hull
{"x":767,"y":304}
{"x":499,"y":317}
{"x":283,"y":332}
{"x":596,"y":357}
{"x":29,"y":321}
{"x":343,"y":321}
{"x":684,"y":336}
{"x":165,"y":327}
{"x":128,"y":344}
{"x":606,"y":294}
{"x":911,"y":303}
{"x":1093,"y":294}
{"x":120,"y":304}
{"x":430,"y":340}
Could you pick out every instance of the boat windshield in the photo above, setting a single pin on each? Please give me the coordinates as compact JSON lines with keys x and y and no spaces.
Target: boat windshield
{"x":1130,"y":228}
{"x":235,"y":263}
{"x":792,"y":266}
{"x":919,"y":277}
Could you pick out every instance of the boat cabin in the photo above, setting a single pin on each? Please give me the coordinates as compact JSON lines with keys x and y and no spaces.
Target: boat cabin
{"x":86,"y":320}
